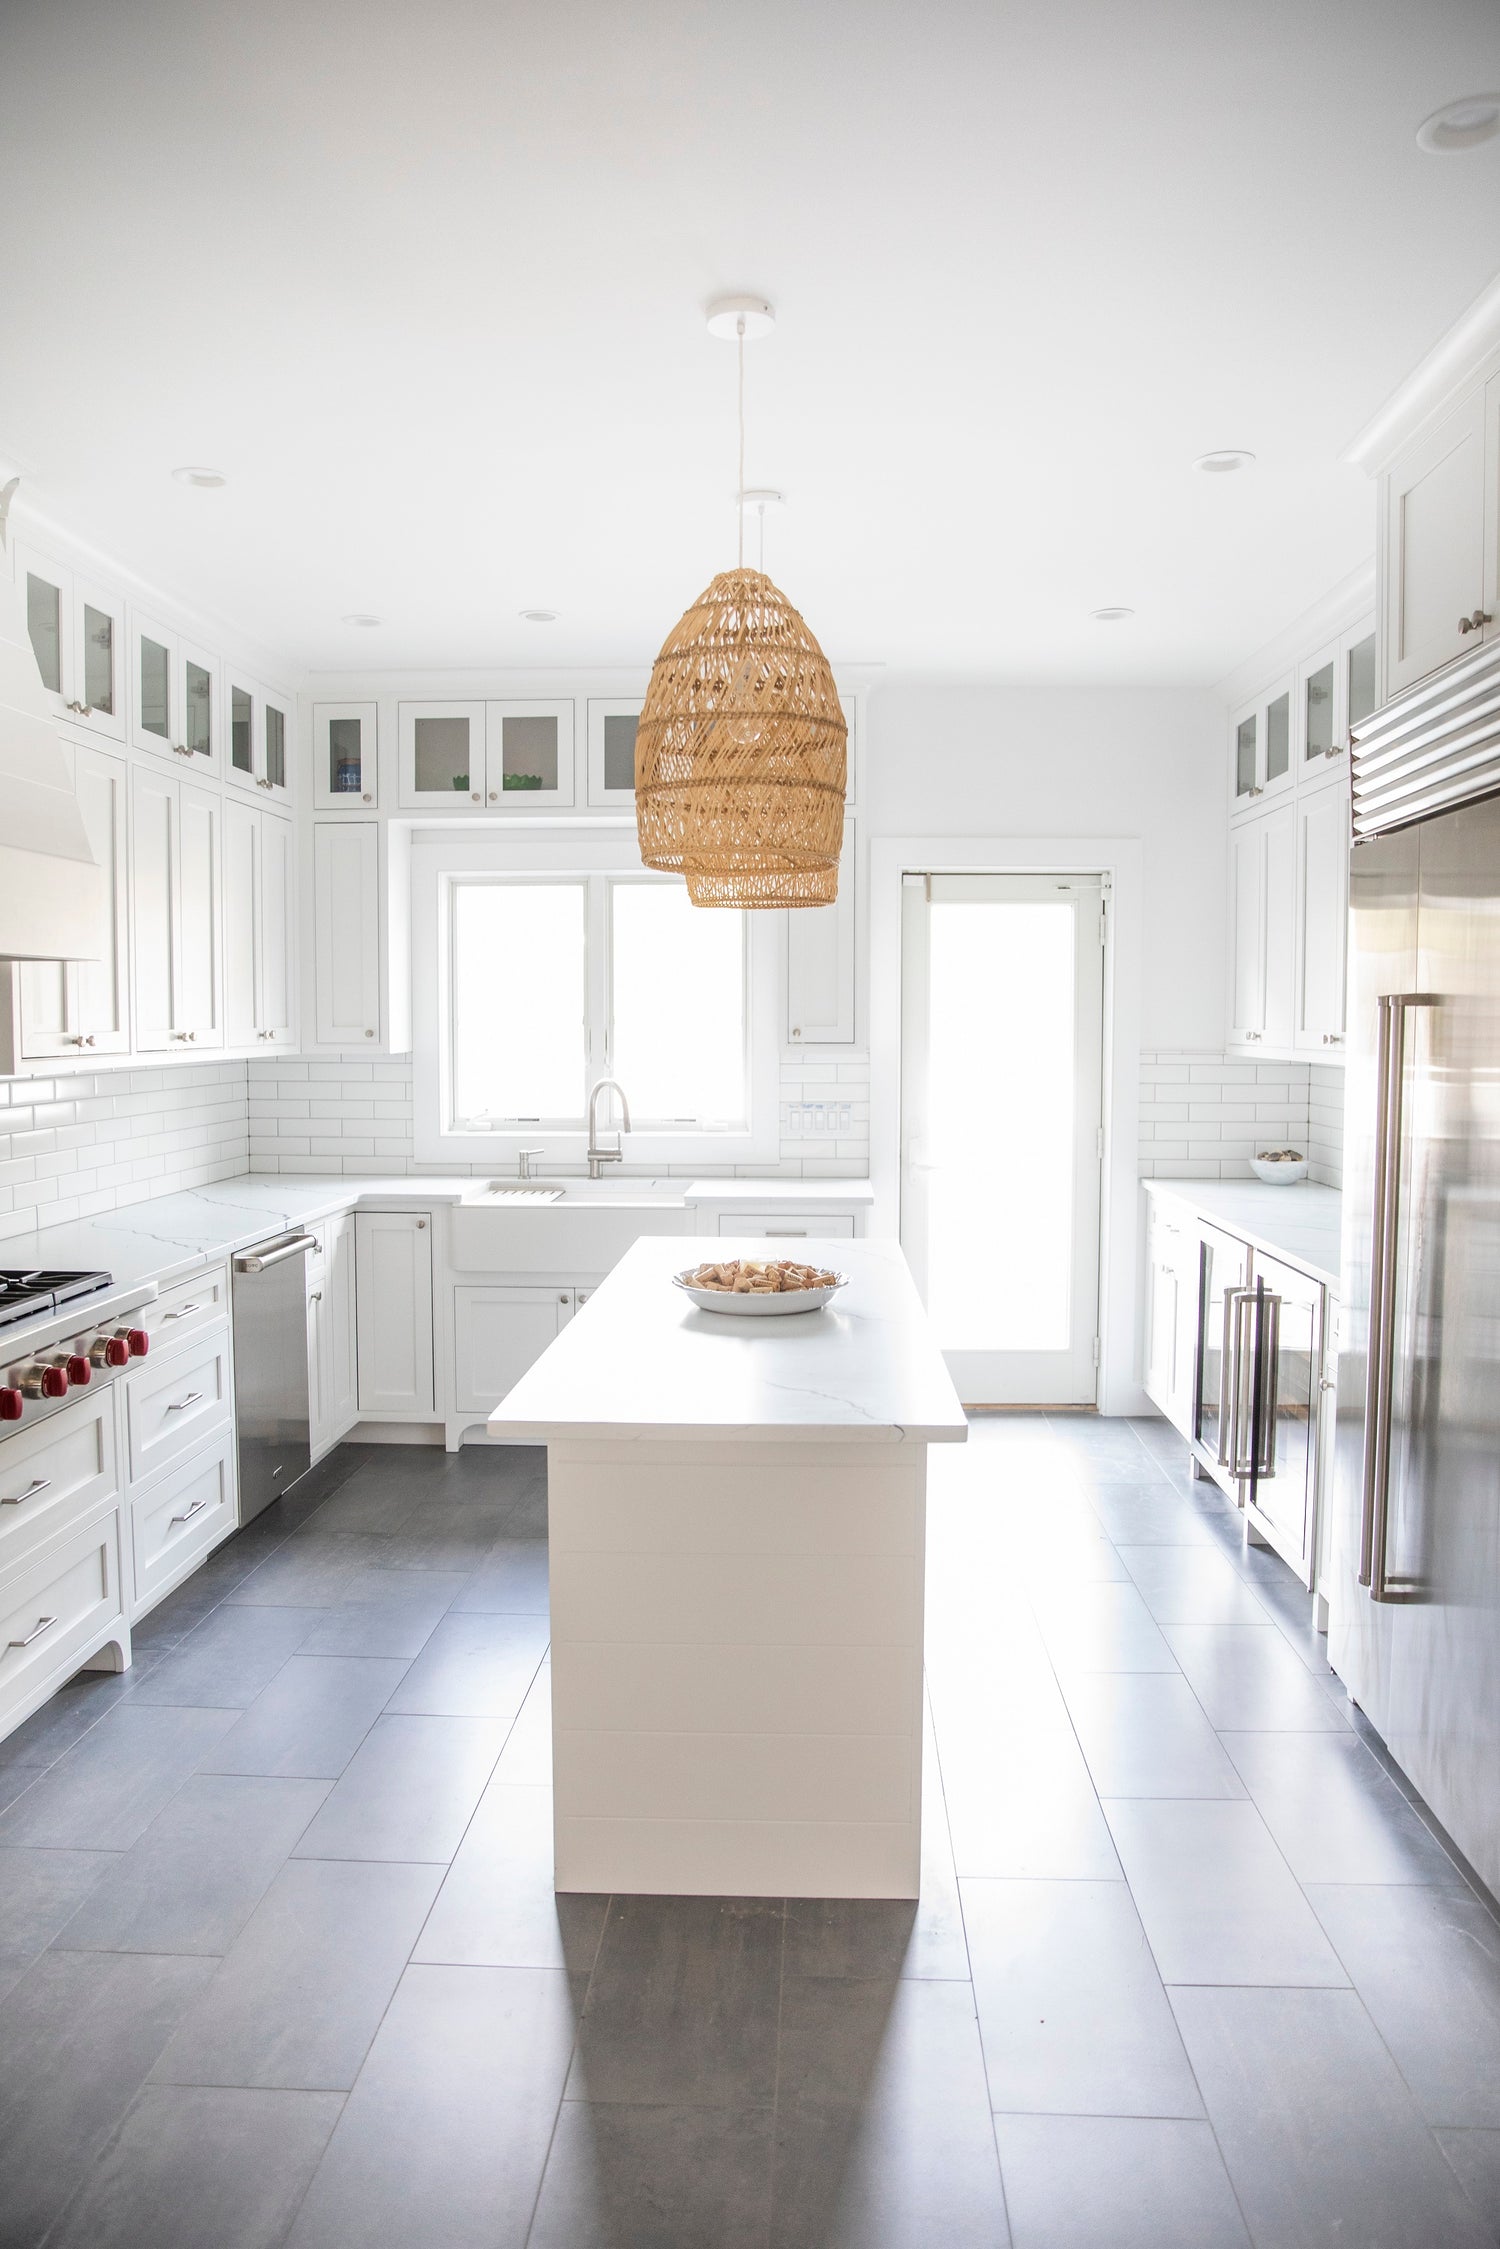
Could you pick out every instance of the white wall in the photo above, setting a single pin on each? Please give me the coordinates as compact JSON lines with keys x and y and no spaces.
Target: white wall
{"x":1013,"y":761}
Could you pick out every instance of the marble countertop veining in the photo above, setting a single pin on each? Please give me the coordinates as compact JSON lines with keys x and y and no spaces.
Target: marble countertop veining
{"x":1301,"y":1223}
{"x":640,"y":1362}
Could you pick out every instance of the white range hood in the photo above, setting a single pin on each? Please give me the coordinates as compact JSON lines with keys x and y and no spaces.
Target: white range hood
{"x":52,"y":889}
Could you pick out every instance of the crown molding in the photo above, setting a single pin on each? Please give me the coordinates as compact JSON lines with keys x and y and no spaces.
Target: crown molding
{"x":1344,"y":606}
{"x":1448,"y":368}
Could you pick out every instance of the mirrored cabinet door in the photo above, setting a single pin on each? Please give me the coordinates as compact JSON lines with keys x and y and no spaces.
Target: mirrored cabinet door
{"x":441,"y":755}
{"x":611,"y":752}
{"x":344,"y":756}
{"x":529,"y":756}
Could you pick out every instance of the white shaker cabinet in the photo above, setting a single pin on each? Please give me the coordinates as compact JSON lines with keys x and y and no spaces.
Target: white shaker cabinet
{"x":79,"y":1008}
{"x":176,"y":912}
{"x":1262,"y":912}
{"x":344,"y":756}
{"x":346,"y":932}
{"x":333,"y":1371}
{"x":393,"y":1318}
{"x":1437,"y":494}
{"x":1322,"y":914}
{"x":1171,"y":1316}
{"x":820,"y":954}
{"x":258,"y":904}
{"x":498,"y":1332}
{"x":77,"y":632}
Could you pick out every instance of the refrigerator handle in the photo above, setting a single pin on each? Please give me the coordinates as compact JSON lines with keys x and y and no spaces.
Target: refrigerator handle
{"x":1390,"y":1071}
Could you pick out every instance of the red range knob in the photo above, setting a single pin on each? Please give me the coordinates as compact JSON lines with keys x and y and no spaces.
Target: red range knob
{"x":78,"y":1369}
{"x":139,"y":1342}
{"x":54,"y":1382}
{"x":12,"y":1405}
{"x":116,"y":1351}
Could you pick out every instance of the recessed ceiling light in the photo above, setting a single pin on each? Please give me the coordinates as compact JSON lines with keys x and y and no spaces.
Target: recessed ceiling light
{"x":1460,"y":125}
{"x":205,"y":480}
{"x":360,"y":617}
{"x":1111,"y":616}
{"x":1224,"y":462}
{"x":538,"y":616}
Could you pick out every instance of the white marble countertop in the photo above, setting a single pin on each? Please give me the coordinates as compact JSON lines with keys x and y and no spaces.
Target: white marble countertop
{"x":640,"y":1362}
{"x":170,"y":1235}
{"x":1301,"y":1223}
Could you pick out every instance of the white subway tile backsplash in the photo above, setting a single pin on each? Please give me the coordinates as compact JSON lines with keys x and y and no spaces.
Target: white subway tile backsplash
{"x":1202,"y":1117}
{"x":79,"y":1146}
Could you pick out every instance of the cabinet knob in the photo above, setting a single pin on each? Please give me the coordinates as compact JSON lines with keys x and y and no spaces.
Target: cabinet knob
{"x":81,"y":1038}
{"x":316,"y":1296}
{"x":421,"y":1225}
{"x":1473,"y":624}
{"x":367,"y":798}
{"x":369,"y":1034}
{"x":1249,"y":1035}
{"x":84,"y":710}
{"x":474,"y":797}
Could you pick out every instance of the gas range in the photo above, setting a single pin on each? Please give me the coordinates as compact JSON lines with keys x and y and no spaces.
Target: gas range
{"x":59,"y":1333}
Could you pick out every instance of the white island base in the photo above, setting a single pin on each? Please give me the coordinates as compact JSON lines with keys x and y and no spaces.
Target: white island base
{"x":737,"y":1513}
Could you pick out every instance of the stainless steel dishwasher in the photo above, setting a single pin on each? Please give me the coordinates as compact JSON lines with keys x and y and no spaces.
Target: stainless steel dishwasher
{"x":269,"y":1296}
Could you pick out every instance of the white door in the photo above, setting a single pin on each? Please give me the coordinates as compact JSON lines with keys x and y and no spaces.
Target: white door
{"x":276,"y":904}
{"x":820,"y":964}
{"x":497,"y":1334}
{"x":1262,"y":926}
{"x":346,"y":931}
{"x":241,"y":909}
{"x":340,"y":1399}
{"x":153,"y":888}
{"x":393,"y":1271}
{"x":1002,"y":1127}
{"x":1435,"y":547}
{"x":199,"y":935}
{"x":1322,"y":916}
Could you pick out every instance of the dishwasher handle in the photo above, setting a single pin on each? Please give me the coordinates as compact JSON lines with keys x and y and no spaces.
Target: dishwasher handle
{"x":261,"y":1261}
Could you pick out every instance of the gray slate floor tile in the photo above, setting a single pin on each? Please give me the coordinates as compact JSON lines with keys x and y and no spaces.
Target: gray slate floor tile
{"x":1151,"y":1515}
{"x":310,"y":1571}
{"x":1094,"y":1627}
{"x":1191,"y":1584}
{"x":526,"y":1758}
{"x":104,"y":1794}
{"x":77,"y":2035}
{"x":883,"y":2132}
{"x":511,"y":1580}
{"x":385,"y":1613}
{"x":409,"y":1792}
{"x":1426,"y":1963}
{"x":1339,"y":2154}
{"x":1019,"y":1797}
{"x":40,"y":1891}
{"x":497,"y":1907}
{"x":226,"y":1660}
{"x":886,"y":1937}
{"x":1084,"y":2182}
{"x":310,"y":1720}
{"x":197,"y":1874}
{"x":475,"y":1667}
{"x":1335,"y":1815}
{"x":194,"y":2165}
{"x":1071,"y":2008}
{"x":682,"y":2005}
{"x":1144,"y":1734}
{"x":655,"y":2176}
{"x":1217,"y":1899}
{"x":444,"y":2138}
{"x":298,"y":1997}
{"x":1474,"y":2159}
{"x":1246,"y":1677}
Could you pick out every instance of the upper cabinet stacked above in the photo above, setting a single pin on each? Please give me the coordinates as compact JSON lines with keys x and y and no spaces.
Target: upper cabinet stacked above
{"x":1439,"y":576}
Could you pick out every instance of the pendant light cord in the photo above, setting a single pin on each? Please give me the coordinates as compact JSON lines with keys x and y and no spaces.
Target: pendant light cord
{"x":739,"y":497}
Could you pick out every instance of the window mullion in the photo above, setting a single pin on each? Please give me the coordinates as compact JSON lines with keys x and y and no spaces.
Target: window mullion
{"x":597,"y":980}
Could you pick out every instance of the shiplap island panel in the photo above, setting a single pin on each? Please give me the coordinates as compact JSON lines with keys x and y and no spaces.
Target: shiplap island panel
{"x":737,"y":1524}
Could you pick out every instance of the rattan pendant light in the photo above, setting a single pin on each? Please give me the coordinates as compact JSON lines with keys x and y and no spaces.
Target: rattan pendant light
{"x":740,"y":750}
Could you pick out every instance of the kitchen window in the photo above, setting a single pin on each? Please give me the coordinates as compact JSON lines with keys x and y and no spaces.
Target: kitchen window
{"x":545,"y":981}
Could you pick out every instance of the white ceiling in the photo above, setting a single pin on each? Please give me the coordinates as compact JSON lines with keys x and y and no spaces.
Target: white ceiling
{"x":427,"y":282}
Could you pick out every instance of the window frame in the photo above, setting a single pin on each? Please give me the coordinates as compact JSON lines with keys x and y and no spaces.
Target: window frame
{"x":444,"y":859}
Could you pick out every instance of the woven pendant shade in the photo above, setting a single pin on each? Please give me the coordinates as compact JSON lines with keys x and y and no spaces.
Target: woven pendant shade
{"x":740,"y":753}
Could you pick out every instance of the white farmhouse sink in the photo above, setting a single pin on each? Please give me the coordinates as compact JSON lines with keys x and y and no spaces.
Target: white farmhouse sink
{"x":581,"y":1234}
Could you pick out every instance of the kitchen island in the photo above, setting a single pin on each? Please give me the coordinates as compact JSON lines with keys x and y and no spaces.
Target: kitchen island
{"x":737,"y":1511}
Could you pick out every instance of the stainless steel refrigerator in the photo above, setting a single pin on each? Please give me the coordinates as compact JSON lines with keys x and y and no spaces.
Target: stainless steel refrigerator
{"x":1414,"y":1627}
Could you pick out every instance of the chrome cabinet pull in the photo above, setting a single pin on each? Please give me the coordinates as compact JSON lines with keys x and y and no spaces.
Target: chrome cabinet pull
{"x":19,"y":1499}
{"x":181,"y":1313}
{"x":42,"y":1624}
{"x":196,"y":1509}
{"x":1226,"y":1367}
{"x":1267,"y":1389}
{"x":1480,"y":618}
{"x":181,"y":1404}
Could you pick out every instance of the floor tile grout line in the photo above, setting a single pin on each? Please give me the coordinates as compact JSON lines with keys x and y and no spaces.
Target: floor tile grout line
{"x":776,"y":2080}
{"x":562,"y":2092}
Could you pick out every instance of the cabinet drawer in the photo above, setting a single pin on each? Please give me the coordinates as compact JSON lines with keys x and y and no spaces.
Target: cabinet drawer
{"x":54,"y":1606}
{"x":186,"y":1308}
{"x":174,"y":1403}
{"x":791,"y":1226}
{"x":50,"y":1476}
{"x":174,"y":1523}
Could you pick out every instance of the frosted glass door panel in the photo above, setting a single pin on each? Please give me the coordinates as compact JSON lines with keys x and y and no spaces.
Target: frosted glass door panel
{"x":1317,"y":711}
{"x":275,"y":775}
{"x":241,"y":731}
{"x":156,"y":688}
{"x":528,"y":753}
{"x":98,"y":659}
{"x":619,"y":752}
{"x":1001,"y":1093}
{"x":444,"y":756}
{"x":1245,"y":758}
{"x":44,"y":605}
{"x":611,"y":751}
{"x":1278,"y":738}
{"x":1360,"y":673}
{"x":198,"y":708}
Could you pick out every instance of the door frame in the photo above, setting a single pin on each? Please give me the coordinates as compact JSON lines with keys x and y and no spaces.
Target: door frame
{"x":1119,"y":859}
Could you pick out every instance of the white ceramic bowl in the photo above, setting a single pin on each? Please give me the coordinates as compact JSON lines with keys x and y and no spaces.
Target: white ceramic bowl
{"x":1279,"y":1175}
{"x":759,"y":1307}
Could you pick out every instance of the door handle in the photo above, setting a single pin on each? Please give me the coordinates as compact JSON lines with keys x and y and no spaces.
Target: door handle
{"x":42,"y":1624}
{"x":19,"y":1499}
{"x":261,"y":1261}
{"x":1266,"y":1389}
{"x":1375,"y":1494}
{"x":1227,"y":1383}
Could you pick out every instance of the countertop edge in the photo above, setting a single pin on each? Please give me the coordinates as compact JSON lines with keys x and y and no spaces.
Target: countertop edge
{"x":1189,"y":1194}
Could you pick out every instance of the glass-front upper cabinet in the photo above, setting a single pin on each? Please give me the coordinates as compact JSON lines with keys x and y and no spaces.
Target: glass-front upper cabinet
{"x":1336,"y":689}
{"x":511,"y":756}
{"x":175,"y":696}
{"x":611,"y":771}
{"x":259,"y":724}
{"x":77,"y":633}
{"x":344,"y":760}
{"x":1358,"y":654}
{"x":1260,"y":749}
